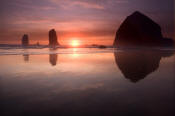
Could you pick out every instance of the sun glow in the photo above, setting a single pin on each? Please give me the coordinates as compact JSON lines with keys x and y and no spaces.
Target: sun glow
{"x":75,"y":43}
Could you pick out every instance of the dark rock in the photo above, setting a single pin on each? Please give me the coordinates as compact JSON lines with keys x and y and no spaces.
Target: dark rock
{"x":167,"y":42}
{"x":25,"y":40}
{"x":102,"y":46}
{"x":140,"y":30}
{"x":53,"y":38}
{"x":37,"y":44}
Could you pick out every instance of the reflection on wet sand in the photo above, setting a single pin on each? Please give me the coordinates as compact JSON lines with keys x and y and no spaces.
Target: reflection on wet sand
{"x":136,"y":65}
{"x":88,"y":83}
{"x":26,"y":57}
{"x":53,"y":59}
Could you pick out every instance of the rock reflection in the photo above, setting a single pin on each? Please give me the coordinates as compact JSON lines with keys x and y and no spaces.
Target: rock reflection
{"x":136,"y":65}
{"x":53,"y":59}
{"x":26,"y":57}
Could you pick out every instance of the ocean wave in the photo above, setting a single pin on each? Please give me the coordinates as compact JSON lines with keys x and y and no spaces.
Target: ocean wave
{"x":45,"y":50}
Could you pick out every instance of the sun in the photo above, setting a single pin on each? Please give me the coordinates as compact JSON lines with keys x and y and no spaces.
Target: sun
{"x":75,"y":43}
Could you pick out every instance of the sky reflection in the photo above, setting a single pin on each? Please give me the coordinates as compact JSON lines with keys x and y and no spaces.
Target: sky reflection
{"x":91,"y":83}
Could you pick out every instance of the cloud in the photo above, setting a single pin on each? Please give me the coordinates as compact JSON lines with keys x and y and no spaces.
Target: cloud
{"x":26,"y":5}
{"x":88,"y":5}
{"x":66,"y":4}
{"x":121,"y":1}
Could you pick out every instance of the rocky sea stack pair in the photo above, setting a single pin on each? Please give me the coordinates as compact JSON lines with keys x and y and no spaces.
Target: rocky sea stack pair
{"x":139,"y":30}
{"x":52,"y":39}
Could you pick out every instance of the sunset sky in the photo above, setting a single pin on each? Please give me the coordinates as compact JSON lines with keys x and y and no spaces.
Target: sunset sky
{"x":88,"y":21}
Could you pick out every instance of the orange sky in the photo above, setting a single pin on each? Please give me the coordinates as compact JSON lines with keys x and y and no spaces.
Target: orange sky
{"x":89,"y":21}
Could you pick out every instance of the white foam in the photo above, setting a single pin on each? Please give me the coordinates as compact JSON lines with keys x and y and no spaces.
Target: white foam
{"x":18,"y":50}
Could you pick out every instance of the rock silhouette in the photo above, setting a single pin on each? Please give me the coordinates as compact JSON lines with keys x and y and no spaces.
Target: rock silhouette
{"x":25,"y":40}
{"x":138,"y":29}
{"x":53,"y":59}
{"x":137,"y":65}
{"x":53,"y":38}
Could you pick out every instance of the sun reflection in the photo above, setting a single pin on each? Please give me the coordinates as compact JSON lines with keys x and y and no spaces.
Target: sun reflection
{"x":75,"y":54}
{"x":74,"y":50}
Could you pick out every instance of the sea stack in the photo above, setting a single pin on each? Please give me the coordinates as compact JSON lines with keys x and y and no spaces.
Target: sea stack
{"x":25,"y":40}
{"x":139,"y":30}
{"x":53,"y":38}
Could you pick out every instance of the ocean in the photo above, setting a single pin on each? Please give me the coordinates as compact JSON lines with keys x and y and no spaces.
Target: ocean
{"x":87,"y":81}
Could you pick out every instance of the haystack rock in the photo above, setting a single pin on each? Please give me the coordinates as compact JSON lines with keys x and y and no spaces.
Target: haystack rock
{"x":53,"y":38}
{"x":138,"y":29}
{"x":25,"y":40}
